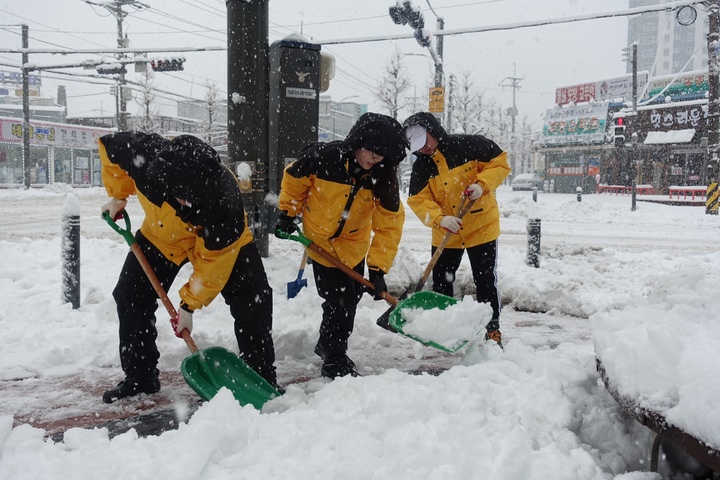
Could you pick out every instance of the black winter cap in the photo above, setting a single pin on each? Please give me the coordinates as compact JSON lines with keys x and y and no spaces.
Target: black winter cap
{"x":380,"y":134}
{"x":190,"y":170}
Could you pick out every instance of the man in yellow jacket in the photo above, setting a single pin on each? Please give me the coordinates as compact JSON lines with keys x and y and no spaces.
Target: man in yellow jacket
{"x":348,"y":195}
{"x":448,"y":168}
{"x":193,"y":213}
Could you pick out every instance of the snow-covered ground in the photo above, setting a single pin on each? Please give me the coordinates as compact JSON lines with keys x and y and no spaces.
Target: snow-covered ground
{"x":640,"y":287}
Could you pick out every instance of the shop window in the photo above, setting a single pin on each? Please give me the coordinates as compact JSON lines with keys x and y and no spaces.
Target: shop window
{"x":96,"y":169}
{"x":39,"y":172}
{"x":11,"y":167}
{"x":63,"y":165}
{"x":81,"y":172}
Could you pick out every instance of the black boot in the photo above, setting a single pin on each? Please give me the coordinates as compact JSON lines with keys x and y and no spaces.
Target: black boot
{"x":338,"y":366}
{"x":133,"y":385}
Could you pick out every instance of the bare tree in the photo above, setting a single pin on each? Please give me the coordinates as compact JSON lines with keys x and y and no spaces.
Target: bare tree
{"x":212,"y":105}
{"x":468,"y":106}
{"x":148,"y":118}
{"x":394,"y":84}
{"x":524,"y":146}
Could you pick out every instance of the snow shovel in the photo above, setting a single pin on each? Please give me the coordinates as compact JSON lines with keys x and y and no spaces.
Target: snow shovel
{"x":384,"y":320}
{"x":294,"y":287}
{"x":430,"y":300}
{"x":208,"y":370}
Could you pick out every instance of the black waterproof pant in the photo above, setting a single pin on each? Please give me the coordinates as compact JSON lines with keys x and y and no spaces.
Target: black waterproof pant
{"x":247,"y":292}
{"x":341,"y":294}
{"x":483,"y":262}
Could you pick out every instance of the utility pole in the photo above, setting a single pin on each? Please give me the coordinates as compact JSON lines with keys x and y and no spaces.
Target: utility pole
{"x":121,"y":98}
{"x":512,"y":112}
{"x":439,"y":50}
{"x":634,"y":77}
{"x":713,"y":170}
{"x":26,"y":106}
{"x":452,"y":84}
{"x":438,"y":59}
{"x":121,"y":101}
{"x":630,"y":54}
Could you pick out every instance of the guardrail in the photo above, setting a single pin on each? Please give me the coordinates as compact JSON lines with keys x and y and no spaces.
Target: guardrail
{"x":688,"y":190}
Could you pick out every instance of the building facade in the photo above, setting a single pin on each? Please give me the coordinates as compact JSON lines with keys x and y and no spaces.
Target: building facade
{"x":59,"y":153}
{"x":665,"y":45}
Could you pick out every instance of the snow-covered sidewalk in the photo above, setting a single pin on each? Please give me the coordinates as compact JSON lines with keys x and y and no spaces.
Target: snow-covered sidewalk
{"x":538,"y":410}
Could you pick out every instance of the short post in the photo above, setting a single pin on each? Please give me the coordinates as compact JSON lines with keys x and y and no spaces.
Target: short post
{"x":535,"y":194}
{"x":533,"y":248}
{"x":579,"y":194}
{"x":70,"y":246}
{"x":633,"y":190}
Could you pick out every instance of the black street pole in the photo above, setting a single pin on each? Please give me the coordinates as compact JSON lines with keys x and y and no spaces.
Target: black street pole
{"x":26,"y":107}
{"x":634,"y":135}
{"x":248,"y":107}
{"x":713,"y":170}
{"x":634,"y":77}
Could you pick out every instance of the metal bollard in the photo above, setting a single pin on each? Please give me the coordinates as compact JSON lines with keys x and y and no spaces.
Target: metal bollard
{"x":533,"y":248}
{"x":70,"y":247}
{"x":535,"y":194}
{"x":579,"y":194}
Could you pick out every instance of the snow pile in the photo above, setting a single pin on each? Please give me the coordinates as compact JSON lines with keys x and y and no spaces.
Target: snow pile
{"x":449,"y":327}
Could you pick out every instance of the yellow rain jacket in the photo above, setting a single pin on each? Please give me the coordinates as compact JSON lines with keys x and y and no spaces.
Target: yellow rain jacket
{"x":334,"y":195}
{"x":437,"y":183}
{"x":212,"y":249}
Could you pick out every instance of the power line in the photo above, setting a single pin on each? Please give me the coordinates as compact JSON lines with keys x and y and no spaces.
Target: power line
{"x":32,"y":21}
{"x":518,"y":25}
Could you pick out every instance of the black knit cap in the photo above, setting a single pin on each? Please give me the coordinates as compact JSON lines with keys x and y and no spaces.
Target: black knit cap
{"x":380,"y":134}
{"x":190,"y":170}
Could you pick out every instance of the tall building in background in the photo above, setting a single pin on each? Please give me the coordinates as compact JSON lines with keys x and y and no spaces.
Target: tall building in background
{"x":664,"y":45}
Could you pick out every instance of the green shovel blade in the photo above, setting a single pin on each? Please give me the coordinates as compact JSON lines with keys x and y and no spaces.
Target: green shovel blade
{"x":210,"y":369}
{"x":424,"y":300}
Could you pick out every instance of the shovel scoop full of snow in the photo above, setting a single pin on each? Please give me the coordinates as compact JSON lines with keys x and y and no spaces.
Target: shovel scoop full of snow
{"x":440,"y":321}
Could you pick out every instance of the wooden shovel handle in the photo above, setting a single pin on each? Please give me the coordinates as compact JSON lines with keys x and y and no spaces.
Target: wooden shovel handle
{"x":355,"y":275}
{"x":463,"y":208}
{"x":303,"y":263}
{"x":161,"y":293}
{"x":130,"y":239}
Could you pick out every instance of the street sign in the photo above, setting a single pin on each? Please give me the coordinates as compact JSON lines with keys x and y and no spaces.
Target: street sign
{"x":437,"y":100}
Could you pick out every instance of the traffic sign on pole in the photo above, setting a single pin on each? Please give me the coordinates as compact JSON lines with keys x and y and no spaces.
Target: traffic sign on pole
{"x":437,"y":100}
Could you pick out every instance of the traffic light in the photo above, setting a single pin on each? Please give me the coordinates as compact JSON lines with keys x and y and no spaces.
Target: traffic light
{"x":167,"y":64}
{"x":406,"y":14}
{"x":619,"y":132}
{"x":110,"y":68}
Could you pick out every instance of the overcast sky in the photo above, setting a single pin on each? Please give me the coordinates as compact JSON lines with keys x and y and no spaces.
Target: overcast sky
{"x":543,"y":57}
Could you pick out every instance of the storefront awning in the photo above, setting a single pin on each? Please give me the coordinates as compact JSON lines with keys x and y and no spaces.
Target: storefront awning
{"x":671,"y":136}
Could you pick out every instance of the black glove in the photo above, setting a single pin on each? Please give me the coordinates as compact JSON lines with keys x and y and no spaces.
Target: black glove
{"x":377,"y":278}
{"x":285,"y":226}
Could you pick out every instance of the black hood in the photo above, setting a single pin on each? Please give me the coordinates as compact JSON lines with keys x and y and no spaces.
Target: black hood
{"x":190,"y":170}
{"x":133,"y":151}
{"x":428,"y":121}
{"x":380,"y":134}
